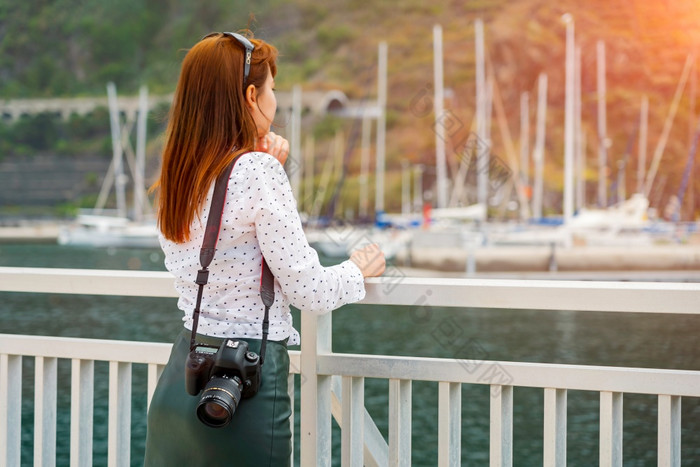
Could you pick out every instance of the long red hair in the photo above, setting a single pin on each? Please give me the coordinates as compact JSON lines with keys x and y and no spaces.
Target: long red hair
{"x":209,"y":125}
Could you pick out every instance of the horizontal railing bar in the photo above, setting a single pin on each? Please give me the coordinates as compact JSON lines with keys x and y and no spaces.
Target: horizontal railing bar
{"x":538,"y":375}
{"x":394,"y":289}
{"x":98,"y":349}
{"x":87,"y":281}
{"x":595,"y":378}
{"x":638,"y":297}
{"x":93,"y":349}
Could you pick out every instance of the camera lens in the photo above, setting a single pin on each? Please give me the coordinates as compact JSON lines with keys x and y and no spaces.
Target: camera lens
{"x":219,"y":401}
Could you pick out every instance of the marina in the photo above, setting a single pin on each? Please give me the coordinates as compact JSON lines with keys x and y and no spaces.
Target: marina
{"x":528,"y":170}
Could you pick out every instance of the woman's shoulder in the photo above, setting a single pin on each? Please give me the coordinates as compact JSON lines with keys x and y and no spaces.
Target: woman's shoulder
{"x":257,"y":165}
{"x":255,"y":160}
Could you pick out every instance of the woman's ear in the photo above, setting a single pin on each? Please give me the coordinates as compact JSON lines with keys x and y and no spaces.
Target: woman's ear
{"x":251,"y":95}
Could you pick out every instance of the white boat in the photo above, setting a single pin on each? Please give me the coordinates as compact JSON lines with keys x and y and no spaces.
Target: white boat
{"x":624,"y":224}
{"x":341,"y":241}
{"x":473,"y":213}
{"x":332,"y":241}
{"x":101,"y":231}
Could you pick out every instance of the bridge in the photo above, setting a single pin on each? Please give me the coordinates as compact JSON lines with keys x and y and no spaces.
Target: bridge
{"x":332,"y":384}
{"x":14,"y":109}
{"x":317,"y":103}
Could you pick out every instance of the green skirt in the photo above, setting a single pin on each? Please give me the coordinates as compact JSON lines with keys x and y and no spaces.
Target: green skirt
{"x":259,"y":433}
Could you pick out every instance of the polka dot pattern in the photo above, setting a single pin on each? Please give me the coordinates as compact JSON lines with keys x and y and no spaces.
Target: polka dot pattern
{"x":260,"y":218}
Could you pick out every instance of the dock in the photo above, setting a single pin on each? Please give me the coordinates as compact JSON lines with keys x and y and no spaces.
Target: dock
{"x":520,"y":259}
{"x":30,"y":233}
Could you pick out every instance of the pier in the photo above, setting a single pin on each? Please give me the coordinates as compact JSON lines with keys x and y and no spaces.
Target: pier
{"x":332,"y":384}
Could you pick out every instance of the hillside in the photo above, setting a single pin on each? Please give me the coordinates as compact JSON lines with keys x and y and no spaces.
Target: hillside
{"x":70,"y":47}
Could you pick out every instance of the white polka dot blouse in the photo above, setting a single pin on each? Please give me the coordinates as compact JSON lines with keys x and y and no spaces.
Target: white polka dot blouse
{"x":260,"y":218}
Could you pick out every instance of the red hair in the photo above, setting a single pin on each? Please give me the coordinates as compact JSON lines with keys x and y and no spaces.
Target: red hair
{"x":209,"y":125}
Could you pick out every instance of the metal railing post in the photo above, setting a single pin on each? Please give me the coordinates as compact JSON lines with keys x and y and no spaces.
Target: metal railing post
{"x":45,"y":386}
{"x":10,"y":409}
{"x":610,"y":429}
{"x":81,"y":415}
{"x":315,"y":423}
{"x":669,"y":434}
{"x":501,"y":443}
{"x":353,"y":422}
{"x":119,"y":432}
{"x":554,"y":427}
{"x":400,"y":398}
{"x":449,"y":423}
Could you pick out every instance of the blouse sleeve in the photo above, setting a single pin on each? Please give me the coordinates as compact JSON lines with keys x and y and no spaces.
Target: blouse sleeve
{"x":305,"y":282}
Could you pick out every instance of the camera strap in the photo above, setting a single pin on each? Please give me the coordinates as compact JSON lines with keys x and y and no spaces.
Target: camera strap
{"x":206,"y":255}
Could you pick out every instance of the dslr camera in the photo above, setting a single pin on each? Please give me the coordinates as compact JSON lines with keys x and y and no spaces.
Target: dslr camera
{"x":224,"y":376}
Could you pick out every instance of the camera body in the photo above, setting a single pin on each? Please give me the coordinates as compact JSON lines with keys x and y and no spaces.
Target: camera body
{"x":224,"y":376}
{"x":231,"y":359}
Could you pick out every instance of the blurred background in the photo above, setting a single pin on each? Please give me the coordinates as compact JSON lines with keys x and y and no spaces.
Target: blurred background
{"x":72,"y":49}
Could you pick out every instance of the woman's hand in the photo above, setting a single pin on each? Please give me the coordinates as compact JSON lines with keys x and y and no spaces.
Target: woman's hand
{"x":370,"y":260}
{"x":274,"y":145}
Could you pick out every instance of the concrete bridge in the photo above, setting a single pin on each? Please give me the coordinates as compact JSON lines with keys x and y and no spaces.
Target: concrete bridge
{"x":317,"y":103}
{"x":13,"y":109}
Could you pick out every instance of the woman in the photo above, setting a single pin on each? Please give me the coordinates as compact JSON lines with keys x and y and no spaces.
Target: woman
{"x":223,"y":109}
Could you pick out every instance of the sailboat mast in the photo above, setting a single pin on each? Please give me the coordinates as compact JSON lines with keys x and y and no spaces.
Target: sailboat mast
{"x":439,"y":101}
{"x":482,"y":166}
{"x":381,"y":126}
{"x":524,"y":137}
{"x":569,"y":120}
{"x":119,"y":177}
{"x":578,"y":136}
{"x":642,"y":158}
{"x":309,"y":171}
{"x":668,"y":123}
{"x":295,"y":149}
{"x":364,"y":166}
{"x":602,"y":138}
{"x":139,"y":183}
{"x":581,"y":168}
{"x":538,"y":154}
{"x":418,"y":188}
{"x":405,"y":188}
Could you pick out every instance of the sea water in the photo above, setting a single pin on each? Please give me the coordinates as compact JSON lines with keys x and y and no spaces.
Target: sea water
{"x":569,"y":337}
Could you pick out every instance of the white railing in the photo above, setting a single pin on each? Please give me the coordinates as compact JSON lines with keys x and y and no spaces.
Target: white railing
{"x":333,"y":384}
